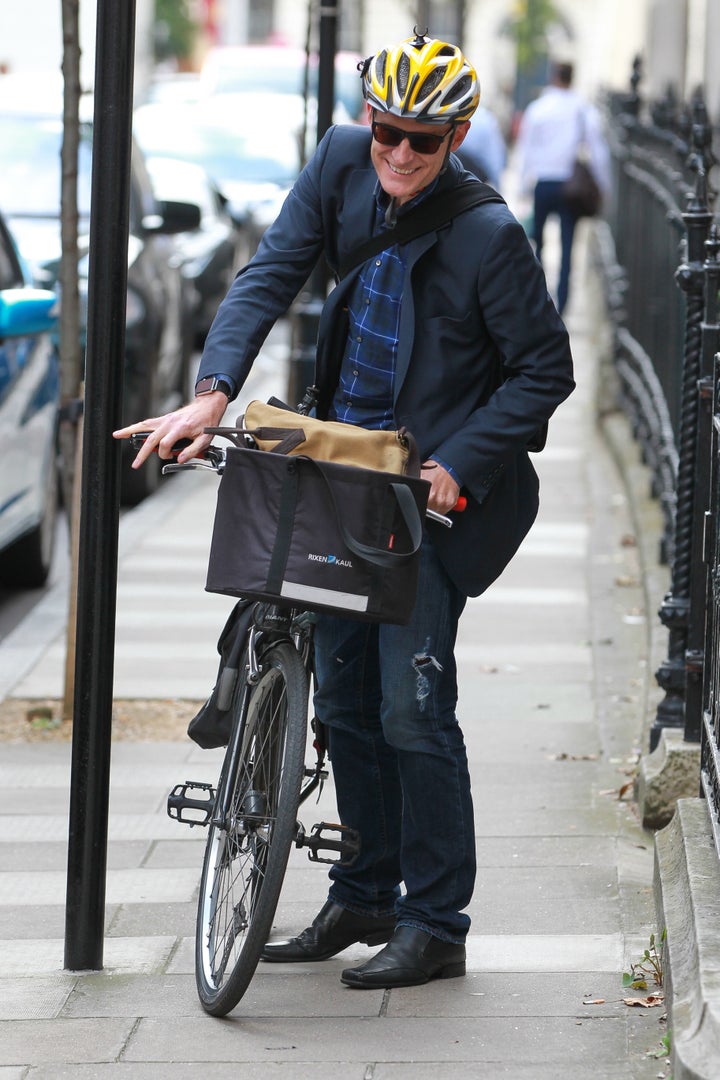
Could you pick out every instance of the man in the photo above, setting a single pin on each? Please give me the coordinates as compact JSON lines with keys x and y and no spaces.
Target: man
{"x":552,"y":131}
{"x":452,"y":335}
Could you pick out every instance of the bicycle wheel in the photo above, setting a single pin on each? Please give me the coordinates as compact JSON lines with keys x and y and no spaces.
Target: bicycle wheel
{"x":246,"y":855}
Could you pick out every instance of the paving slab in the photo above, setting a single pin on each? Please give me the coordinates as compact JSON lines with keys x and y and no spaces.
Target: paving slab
{"x":35,"y":998}
{"x":135,"y":920}
{"x":560,"y":1040}
{"x":50,"y":1042}
{"x":136,"y":1070}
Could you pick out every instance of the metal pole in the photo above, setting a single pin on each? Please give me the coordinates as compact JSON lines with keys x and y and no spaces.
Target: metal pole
{"x":107,"y":288}
{"x":309,"y":305}
{"x":675,"y":609}
{"x":326,"y":65}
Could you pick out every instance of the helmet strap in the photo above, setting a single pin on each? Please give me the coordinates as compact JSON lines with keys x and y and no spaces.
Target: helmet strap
{"x":448,"y":150}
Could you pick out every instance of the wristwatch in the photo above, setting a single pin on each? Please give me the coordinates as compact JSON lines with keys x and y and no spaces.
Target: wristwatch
{"x":211,"y":383}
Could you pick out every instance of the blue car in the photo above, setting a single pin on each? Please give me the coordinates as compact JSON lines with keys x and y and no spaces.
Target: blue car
{"x":29,"y":404}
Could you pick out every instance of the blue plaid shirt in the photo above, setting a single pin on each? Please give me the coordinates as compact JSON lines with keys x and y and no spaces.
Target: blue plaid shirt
{"x":365,"y":391}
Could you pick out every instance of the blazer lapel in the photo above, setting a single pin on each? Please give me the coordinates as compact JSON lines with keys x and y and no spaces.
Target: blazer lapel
{"x":416,"y":248}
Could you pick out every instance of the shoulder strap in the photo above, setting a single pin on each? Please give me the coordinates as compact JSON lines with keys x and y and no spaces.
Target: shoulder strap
{"x":429,"y":215}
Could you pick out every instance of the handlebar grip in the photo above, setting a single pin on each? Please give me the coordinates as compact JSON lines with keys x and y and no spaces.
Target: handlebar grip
{"x":137,"y":440}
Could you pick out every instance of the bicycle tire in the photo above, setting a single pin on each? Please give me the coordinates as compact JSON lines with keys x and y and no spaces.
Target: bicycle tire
{"x":246,"y":857}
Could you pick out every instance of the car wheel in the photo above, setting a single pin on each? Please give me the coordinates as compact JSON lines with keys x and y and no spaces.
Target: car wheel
{"x":26,"y":564}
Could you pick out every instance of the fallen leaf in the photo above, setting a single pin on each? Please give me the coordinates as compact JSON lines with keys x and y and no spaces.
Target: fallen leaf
{"x":647,"y":1002}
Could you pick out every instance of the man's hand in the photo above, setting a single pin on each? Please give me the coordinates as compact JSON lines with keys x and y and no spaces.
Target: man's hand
{"x":188,"y":422}
{"x":444,"y":490}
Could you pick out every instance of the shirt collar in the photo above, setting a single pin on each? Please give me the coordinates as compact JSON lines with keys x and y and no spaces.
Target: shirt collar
{"x":382,"y":198}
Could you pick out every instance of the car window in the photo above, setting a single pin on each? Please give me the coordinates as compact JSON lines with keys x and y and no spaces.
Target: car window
{"x":255,"y":69}
{"x":30,"y":169}
{"x":227,"y":145}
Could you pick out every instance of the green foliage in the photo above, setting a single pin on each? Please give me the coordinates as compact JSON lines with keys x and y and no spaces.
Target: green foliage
{"x":528,"y":26}
{"x":175,"y":29}
{"x":663,"y":1050}
{"x":650,"y":965}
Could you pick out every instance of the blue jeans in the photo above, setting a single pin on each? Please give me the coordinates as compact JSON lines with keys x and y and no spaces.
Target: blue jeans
{"x":387,"y":695}
{"x":549,"y":200}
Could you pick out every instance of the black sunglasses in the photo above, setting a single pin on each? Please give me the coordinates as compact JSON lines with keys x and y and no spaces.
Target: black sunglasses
{"x":419,"y":141}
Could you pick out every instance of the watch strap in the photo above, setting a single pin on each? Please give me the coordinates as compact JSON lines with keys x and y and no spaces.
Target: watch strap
{"x":211,"y":383}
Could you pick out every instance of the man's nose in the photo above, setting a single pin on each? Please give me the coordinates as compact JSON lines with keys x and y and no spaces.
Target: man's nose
{"x":403,"y":151}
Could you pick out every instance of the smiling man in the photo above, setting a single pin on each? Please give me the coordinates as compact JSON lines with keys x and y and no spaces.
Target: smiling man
{"x":453,"y":336}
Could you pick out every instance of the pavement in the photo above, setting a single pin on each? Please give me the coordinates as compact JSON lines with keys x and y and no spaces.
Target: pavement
{"x":555,"y":672}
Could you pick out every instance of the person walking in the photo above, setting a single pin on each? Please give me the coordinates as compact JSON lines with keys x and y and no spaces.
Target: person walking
{"x":453,"y":336}
{"x":483,"y":150}
{"x":552,"y":130}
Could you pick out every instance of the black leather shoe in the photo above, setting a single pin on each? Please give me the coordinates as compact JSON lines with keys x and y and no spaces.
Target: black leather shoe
{"x":411,"y":958}
{"x":333,"y":929}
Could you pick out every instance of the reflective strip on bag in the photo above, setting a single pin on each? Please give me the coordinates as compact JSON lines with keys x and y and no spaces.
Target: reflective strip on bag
{"x":311,"y":594}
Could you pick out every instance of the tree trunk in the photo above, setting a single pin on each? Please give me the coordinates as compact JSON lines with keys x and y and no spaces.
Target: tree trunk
{"x":71,"y":359}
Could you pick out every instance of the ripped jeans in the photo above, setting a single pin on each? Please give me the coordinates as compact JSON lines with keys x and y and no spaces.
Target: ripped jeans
{"x":387,"y":695}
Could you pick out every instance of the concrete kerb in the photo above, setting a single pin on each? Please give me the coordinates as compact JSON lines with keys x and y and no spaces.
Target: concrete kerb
{"x":687,"y":895}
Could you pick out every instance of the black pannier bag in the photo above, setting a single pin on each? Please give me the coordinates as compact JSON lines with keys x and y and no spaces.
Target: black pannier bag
{"x":318,"y":536}
{"x":211,"y":725}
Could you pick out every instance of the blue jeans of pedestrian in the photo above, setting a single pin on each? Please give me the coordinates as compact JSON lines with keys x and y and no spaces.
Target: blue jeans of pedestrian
{"x":549,"y":200}
{"x":387,"y":695}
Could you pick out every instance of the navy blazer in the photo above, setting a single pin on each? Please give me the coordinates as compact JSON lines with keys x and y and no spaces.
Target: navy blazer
{"x":483,"y":357}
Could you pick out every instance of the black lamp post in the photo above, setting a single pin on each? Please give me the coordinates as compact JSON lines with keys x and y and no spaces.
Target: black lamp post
{"x":308,"y":307}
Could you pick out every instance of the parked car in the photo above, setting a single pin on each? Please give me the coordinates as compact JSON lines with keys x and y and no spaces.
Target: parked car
{"x":211,"y":254}
{"x":29,"y":403}
{"x":173,"y":87}
{"x":278,"y":69}
{"x":156,"y":350}
{"x":249,"y":160}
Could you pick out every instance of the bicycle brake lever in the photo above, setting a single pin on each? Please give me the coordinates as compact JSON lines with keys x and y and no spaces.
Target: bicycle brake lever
{"x":193,"y":463}
{"x":441,"y":518}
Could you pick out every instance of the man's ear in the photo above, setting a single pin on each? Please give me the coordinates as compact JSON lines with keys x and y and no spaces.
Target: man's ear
{"x":459,"y":135}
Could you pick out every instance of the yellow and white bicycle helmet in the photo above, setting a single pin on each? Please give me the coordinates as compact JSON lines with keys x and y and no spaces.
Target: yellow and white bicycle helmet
{"x":423,"y":79}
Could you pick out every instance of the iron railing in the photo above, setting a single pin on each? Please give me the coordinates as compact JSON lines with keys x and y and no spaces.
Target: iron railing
{"x":663,"y":276}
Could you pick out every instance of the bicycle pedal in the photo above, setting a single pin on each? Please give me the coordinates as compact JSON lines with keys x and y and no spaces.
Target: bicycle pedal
{"x":347,"y":847}
{"x":191,"y":811}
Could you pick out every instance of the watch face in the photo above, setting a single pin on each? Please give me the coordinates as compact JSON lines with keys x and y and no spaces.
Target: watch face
{"x":211,"y":383}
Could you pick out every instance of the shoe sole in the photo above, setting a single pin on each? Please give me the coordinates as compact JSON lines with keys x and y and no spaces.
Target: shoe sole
{"x":450,"y":971}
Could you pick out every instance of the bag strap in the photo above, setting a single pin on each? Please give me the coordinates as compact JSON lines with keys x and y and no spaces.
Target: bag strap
{"x":377,"y":556}
{"x":288,"y":439}
{"x":428,"y":216}
{"x":408,"y":511}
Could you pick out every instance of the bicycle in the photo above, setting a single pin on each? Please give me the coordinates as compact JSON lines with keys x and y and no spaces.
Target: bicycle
{"x":251,"y":815}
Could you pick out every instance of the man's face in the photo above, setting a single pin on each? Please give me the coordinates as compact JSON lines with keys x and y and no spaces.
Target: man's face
{"x":402,"y":171}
